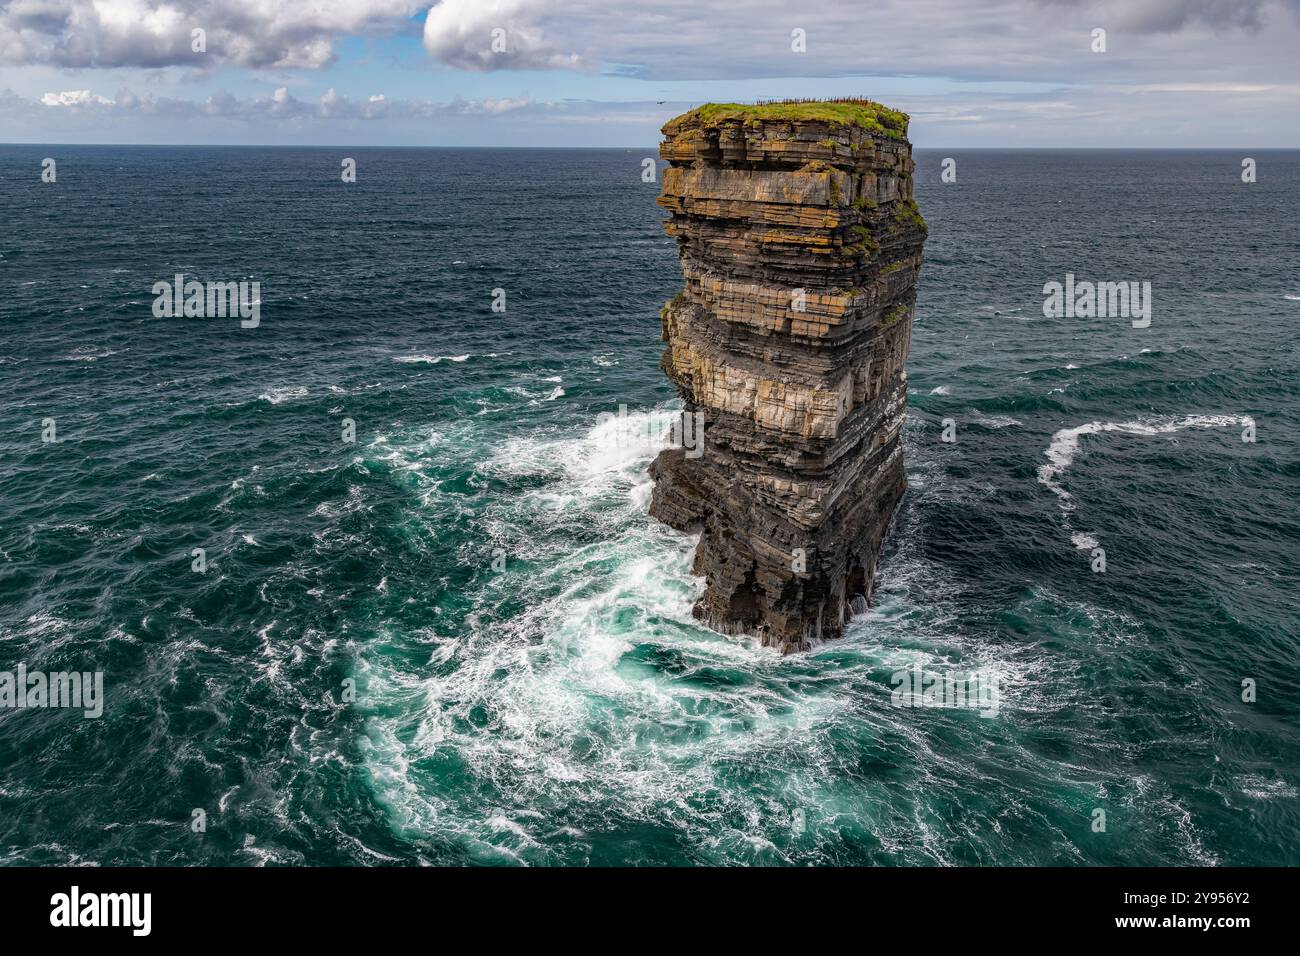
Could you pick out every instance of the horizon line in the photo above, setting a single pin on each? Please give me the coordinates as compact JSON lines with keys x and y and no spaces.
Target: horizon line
{"x":1091,"y":149}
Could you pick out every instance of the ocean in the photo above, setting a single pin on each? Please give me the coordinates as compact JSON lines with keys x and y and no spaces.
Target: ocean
{"x":459,"y":639}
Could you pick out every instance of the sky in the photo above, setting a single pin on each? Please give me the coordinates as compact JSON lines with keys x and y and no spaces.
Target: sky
{"x":971,"y":73}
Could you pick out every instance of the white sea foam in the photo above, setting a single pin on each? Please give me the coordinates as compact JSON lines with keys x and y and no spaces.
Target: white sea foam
{"x":598,"y":691}
{"x":607,"y":453}
{"x":89,"y":353}
{"x":1065,"y":443}
{"x":277,"y":396}
{"x":537,"y":674}
{"x":1084,"y":542}
{"x":429,"y":359}
{"x":1261,"y":788}
{"x":941,"y":390}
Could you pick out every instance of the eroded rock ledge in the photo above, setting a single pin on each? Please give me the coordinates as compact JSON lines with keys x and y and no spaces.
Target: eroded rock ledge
{"x":800,"y":244}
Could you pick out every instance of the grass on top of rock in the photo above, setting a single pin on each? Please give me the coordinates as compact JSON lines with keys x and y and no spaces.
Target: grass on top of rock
{"x":843,"y":112}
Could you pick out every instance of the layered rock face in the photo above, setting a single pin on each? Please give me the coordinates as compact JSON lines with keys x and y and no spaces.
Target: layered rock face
{"x":800,"y":244}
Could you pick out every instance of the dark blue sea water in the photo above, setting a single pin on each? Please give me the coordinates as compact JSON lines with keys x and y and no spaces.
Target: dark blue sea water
{"x":567,"y":709}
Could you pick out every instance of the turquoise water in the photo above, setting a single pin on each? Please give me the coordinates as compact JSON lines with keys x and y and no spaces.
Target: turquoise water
{"x":567,"y":709}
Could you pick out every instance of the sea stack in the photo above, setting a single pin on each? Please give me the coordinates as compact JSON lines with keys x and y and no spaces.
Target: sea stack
{"x":800,"y":244}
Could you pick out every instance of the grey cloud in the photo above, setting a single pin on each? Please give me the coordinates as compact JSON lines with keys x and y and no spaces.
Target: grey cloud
{"x":1172,"y":16}
{"x":1040,"y":40}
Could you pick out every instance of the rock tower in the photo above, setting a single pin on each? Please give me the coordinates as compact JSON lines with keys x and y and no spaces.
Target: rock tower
{"x":800,"y":245}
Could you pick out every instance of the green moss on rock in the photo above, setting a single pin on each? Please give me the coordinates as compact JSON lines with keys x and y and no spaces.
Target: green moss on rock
{"x":673,"y":304}
{"x":909,"y":213}
{"x":847,"y":112}
{"x":895,"y":315}
{"x":865,"y":243}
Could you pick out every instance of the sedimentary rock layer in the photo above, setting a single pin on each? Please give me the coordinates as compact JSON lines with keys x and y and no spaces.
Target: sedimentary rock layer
{"x":800,"y":245}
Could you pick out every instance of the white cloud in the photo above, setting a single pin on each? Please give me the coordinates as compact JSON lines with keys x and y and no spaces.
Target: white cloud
{"x":493,"y":35}
{"x":74,"y":98}
{"x":1041,"y":40}
{"x":283,"y":104}
{"x":503,"y":105}
{"x":156,"y":33}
